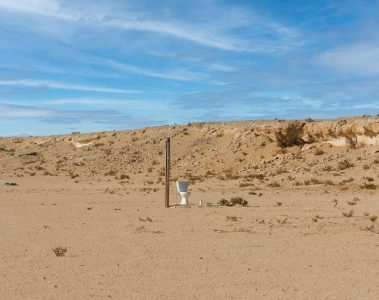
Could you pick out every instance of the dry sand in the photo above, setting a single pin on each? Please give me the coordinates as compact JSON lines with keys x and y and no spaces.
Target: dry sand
{"x":308,"y":232}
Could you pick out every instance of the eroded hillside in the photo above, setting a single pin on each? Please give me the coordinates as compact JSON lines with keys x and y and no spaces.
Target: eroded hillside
{"x":340,"y":152}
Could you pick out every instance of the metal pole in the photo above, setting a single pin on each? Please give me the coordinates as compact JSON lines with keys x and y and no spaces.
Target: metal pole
{"x":167,"y":183}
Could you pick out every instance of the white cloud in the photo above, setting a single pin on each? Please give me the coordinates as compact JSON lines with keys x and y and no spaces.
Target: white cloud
{"x":212,"y":33}
{"x":17,"y":111}
{"x":179,"y":74}
{"x":124,"y":103}
{"x":51,"y":8}
{"x":63,"y":86}
{"x":361,"y":59}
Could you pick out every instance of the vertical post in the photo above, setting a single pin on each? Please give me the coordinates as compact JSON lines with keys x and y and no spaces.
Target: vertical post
{"x":167,"y":181}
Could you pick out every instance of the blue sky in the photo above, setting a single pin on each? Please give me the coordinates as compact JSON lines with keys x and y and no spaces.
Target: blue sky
{"x":101,"y":65}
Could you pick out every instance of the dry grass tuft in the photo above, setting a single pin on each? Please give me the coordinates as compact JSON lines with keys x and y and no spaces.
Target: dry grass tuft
{"x":368,"y":186}
{"x":348,"y":214}
{"x":239,"y":201}
{"x":223,"y":202}
{"x":345,"y":164}
{"x":274,"y":184}
{"x":319,"y":152}
{"x":232,"y":218}
{"x":59,"y":251}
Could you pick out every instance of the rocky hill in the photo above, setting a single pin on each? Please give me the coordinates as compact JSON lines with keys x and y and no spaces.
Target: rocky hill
{"x":277,"y":153}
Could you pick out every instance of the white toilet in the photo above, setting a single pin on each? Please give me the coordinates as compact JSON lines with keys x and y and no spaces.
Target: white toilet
{"x":182,"y":188}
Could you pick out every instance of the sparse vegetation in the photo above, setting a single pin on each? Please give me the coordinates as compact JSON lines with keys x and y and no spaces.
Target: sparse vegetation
{"x":232,"y":218}
{"x":281,"y":171}
{"x":59,"y":251}
{"x":351,"y":141}
{"x":328,"y":168}
{"x":245,"y":184}
{"x":348,"y":214}
{"x":223,"y":202}
{"x":110,"y":173}
{"x":291,"y":136}
{"x":233,"y":201}
{"x":345,"y":164}
{"x":274,"y":184}
{"x":369,"y":179}
{"x":238,"y":200}
{"x":319,"y":152}
{"x":253,"y":176}
{"x":368,"y":186}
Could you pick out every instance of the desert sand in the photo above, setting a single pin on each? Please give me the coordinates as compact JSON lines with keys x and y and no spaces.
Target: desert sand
{"x":82,"y":215}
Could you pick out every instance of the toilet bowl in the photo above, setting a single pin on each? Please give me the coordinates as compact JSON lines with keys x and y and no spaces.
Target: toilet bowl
{"x":184,"y":196}
{"x":182,"y":188}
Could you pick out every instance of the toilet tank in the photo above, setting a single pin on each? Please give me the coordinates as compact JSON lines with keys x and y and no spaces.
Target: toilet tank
{"x":182,"y":186}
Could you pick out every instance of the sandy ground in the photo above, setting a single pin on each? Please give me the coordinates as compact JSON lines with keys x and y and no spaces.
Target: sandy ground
{"x":310,"y":230}
{"x":125,"y":245}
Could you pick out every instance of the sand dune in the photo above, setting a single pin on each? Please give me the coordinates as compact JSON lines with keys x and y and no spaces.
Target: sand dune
{"x":309,"y":230}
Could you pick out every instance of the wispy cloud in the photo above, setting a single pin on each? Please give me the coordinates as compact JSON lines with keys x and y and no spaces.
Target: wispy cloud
{"x":209,"y":34}
{"x":19,"y":111}
{"x":181,"y":74}
{"x":50,"y":8}
{"x":147,"y":105}
{"x":63,"y":86}
{"x":11,"y":111}
{"x":361,"y":59}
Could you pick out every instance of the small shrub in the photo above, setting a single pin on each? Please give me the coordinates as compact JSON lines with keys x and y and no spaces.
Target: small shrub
{"x":315,"y":181}
{"x":348,"y":214}
{"x":368,"y":186}
{"x":274,"y":184}
{"x":309,"y":120}
{"x":319,"y":152}
{"x":223,"y":202}
{"x":232,"y":218}
{"x":345,"y":164}
{"x":369,"y":179}
{"x":110,"y":173}
{"x":244,"y":184}
{"x":281,"y":171}
{"x":123,"y":176}
{"x":291,"y":136}
{"x":351,"y":141}
{"x":59,"y":251}
{"x":257,"y":176}
{"x":238,"y":200}
{"x":373,"y":218}
{"x":328,"y":182}
{"x":343,"y":182}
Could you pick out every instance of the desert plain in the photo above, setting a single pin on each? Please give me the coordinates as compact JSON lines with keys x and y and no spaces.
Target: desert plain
{"x":82,"y":216}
